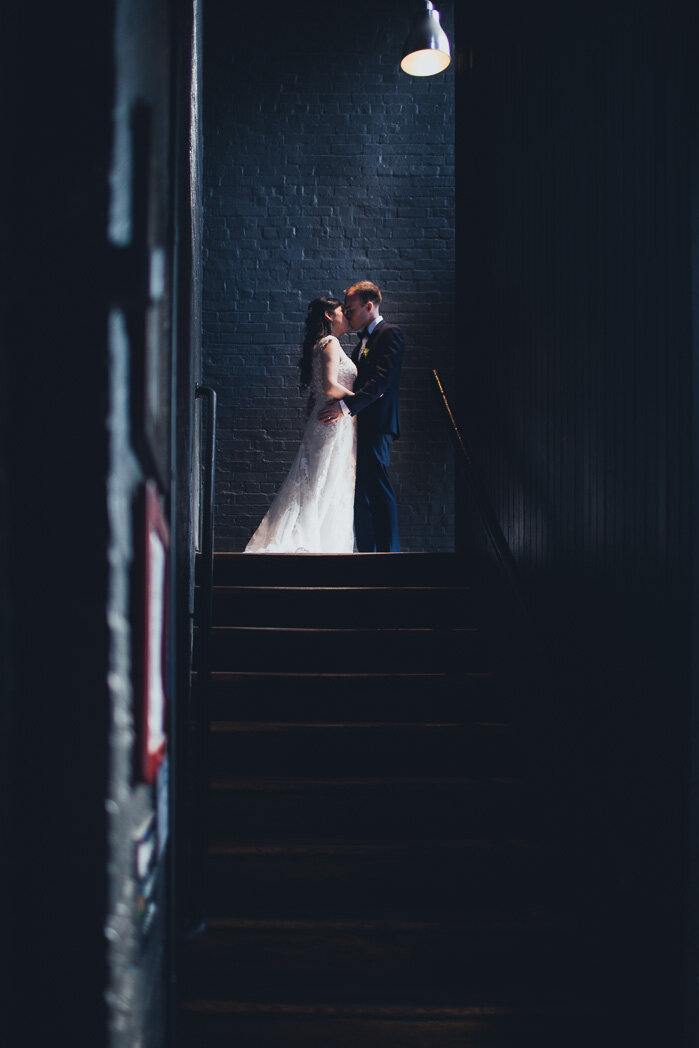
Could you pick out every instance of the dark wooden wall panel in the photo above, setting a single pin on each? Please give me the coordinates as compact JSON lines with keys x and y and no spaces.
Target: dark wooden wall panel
{"x":573,"y":205}
{"x":574,"y":258}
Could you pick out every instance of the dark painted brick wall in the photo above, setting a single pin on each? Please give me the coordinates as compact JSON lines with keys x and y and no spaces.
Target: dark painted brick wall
{"x":324,"y":164}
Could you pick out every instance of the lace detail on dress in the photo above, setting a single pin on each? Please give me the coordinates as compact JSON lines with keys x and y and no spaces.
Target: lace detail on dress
{"x":313,"y":511}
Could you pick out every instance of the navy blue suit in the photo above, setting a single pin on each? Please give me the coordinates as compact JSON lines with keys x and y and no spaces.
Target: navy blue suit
{"x":375,"y":404}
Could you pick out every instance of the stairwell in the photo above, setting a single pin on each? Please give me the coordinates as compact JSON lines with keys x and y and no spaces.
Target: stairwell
{"x":385,"y":866}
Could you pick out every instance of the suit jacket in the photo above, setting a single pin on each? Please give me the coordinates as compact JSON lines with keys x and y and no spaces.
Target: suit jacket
{"x":378,"y":378}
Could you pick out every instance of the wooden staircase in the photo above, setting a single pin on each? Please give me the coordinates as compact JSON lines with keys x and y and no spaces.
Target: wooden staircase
{"x":386,"y":866}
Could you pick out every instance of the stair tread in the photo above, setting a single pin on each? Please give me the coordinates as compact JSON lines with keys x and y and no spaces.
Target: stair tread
{"x":380,"y":807}
{"x":478,"y":941}
{"x":574,"y":1023}
{"x":309,"y":648}
{"x":545,"y":920}
{"x":251,"y":588}
{"x":297,"y":727}
{"x":349,"y":606}
{"x":444,"y":961}
{"x":232,"y":846}
{"x":345,"y":629}
{"x":325,"y":877}
{"x":284,"y":782}
{"x":223,"y":556}
{"x":222,"y":676}
{"x":311,"y":693}
{"x":352,"y":568}
{"x":388,"y":1010}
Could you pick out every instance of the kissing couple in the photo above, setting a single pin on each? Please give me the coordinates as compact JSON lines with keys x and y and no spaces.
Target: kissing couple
{"x":337,"y":496}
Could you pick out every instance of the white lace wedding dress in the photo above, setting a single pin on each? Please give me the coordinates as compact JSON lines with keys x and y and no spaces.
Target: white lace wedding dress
{"x":313,"y":511}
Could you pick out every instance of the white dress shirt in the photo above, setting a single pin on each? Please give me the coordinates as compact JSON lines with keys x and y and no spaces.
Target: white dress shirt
{"x":377,"y":320}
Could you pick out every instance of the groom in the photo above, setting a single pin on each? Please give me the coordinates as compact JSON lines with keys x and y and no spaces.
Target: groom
{"x":378,"y":356}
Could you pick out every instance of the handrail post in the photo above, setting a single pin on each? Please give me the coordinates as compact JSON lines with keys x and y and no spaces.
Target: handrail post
{"x":200,"y":820}
{"x":498,"y":542}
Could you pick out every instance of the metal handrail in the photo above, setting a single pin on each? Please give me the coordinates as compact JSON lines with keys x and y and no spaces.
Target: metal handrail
{"x":498,"y":542}
{"x":200,"y":820}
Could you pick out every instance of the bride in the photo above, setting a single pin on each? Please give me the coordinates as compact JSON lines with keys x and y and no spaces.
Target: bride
{"x":313,"y":511}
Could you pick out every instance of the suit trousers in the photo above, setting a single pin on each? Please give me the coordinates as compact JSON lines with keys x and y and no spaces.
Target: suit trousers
{"x":375,"y":513}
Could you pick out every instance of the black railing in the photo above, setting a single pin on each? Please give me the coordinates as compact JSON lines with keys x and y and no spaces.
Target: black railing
{"x":497,"y":541}
{"x":199,"y":760}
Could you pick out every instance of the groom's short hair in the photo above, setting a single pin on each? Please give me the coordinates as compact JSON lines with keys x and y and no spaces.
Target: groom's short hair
{"x":366,"y":291}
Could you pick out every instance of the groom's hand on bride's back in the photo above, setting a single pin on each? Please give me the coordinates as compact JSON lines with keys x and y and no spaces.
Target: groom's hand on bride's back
{"x":331,"y":412}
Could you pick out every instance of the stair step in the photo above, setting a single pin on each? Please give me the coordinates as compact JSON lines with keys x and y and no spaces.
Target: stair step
{"x":385,"y":807}
{"x":382,"y":960}
{"x":249,"y":748}
{"x":343,"y":606}
{"x":253,"y":1025}
{"x":336,"y":696}
{"x":303,"y":650}
{"x":352,"y":569}
{"x":383,"y":878}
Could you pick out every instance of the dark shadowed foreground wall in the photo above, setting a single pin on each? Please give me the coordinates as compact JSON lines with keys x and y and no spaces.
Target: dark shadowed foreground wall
{"x":576,"y":392}
{"x":56,"y":578}
{"x":324,"y":164}
{"x":86,"y":904}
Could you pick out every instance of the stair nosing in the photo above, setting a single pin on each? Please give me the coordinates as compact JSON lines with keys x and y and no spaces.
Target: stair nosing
{"x":281,"y":782}
{"x":225,"y":675}
{"x":246,"y":557}
{"x":224,"y":846}
{"x":297,"y":727}
{"x":418,"y":1011}
{"x":348,"y":629}
{"x":565,"y":920}
{"x":262,"y":588}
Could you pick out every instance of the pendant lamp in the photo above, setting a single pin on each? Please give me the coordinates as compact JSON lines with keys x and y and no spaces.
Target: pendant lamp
{"x":426,"y":50}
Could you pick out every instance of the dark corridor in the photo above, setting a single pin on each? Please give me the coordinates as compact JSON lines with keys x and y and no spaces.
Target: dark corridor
{"x":560,"y":232}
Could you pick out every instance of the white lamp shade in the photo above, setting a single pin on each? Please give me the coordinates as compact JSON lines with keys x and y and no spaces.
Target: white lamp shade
{"x":425,"y":63}
{"x":426,"y":50}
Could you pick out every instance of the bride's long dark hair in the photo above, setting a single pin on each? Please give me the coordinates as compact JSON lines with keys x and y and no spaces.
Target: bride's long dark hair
{"x":317,"y":325}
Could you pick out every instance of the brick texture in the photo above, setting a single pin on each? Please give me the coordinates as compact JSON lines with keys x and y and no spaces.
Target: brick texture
{"x":324,"y":164}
